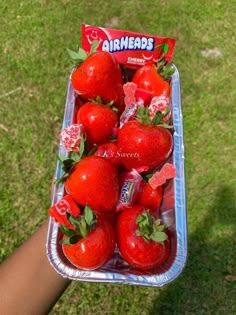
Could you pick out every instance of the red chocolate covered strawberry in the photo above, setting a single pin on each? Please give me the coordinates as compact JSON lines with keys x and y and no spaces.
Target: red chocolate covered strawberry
{"x":98,"y":74}
{"x":149,"y":197}
{"x":94,"y":180}
{"x":154,"y":79}
{"x":98,"y":120}
{"x":144,"y":142}
{"x":109,"y":151}
{"x":91,"y":242}
{"x":142,"y":239}
{"x":148,"y":79}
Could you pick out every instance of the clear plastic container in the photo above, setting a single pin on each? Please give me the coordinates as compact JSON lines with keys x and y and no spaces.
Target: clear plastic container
{"x":173,"y":212}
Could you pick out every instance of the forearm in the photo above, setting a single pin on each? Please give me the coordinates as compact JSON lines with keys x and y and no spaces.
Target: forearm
{"x":28,"y":283}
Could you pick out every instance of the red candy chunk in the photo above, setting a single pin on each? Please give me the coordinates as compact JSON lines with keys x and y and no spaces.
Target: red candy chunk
{"x":59,"y":210}
{"x":159,"y":103}
{"x":158,"y":179}
{"x":130,"y":88}
{"x":168,"y":171}
{"x":143,"y":95}
{"x":71,"y":137}
{"x":129,"y":91}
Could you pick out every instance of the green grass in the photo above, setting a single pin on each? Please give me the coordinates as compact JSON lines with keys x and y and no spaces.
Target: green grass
{"x":34,"y":70}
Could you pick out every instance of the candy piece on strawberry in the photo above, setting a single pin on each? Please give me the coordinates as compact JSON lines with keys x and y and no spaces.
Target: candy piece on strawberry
{"x":60,"y":210}
{"x":129,"y":100}
{"x":159,"y":178}
{"x":143,"y":95}
{"x":169,"y":170}
{"x":75,"y":143}
{"x":130,"y":90}
{"x":134,"y":94}
{"x":98,"y":74}
{"x":160,"y":103}
{"x":71,"y":137}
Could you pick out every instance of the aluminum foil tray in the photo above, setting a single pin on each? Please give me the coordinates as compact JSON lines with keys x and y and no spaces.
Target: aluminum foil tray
{"x":173,"y":212}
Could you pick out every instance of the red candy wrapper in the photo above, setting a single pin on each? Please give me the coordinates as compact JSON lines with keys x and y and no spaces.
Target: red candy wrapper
{"x":129,"y":48}
{"x":61,"y":208}
{"x":129,"y":190}
{"x":130,"y":112}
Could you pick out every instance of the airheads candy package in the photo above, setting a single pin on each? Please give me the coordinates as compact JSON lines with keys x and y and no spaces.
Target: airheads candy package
{"x":130,"y":49}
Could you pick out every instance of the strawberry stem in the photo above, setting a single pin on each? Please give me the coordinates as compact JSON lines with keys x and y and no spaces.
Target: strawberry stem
{"x":164,"y":69}
{"x":68,"y":162}
{"x":98,"y":100}
{"x":78,"y":57}
{"x":150,"y":228}
{"x":159,"y":116}
{"x":143,"y":116}
{"x":83,"y":225}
